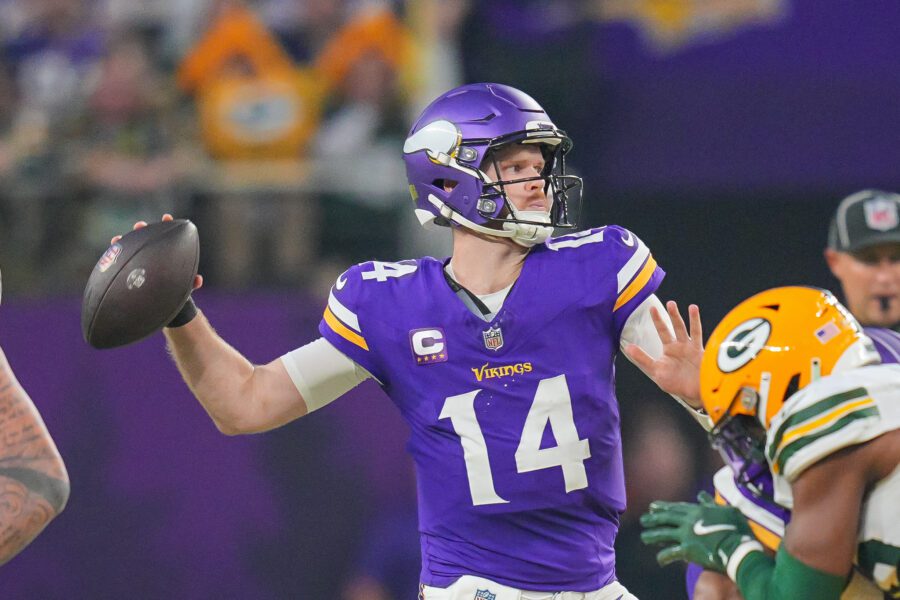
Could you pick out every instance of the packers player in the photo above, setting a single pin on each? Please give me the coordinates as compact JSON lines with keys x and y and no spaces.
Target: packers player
{"x":794,"y":386}
{"x":863,"y":253}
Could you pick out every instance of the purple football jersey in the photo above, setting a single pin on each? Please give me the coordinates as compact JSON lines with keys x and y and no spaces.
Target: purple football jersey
{"x":887,"y":342}
{"x":514,"y":422}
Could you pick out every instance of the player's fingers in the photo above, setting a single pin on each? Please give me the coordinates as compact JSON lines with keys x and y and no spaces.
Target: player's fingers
{"x":140,"y":224}
{"x":678,"y":325}
{"x":669,"y":510}
{"x":704,"y":497}
{"x":662,"y":327}
{"x":198,"y":282}
{"x":639,"y":357}
{"x":655,"y":520}
{"x":696,"y":324}
{"x":670,"y":555}
{"x":167,"y":217}
{"x":658,"y":505}
{"x":115,"y":239}
{"x":659,"y":535}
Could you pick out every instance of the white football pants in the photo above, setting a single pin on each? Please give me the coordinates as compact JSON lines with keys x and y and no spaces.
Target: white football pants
{"x":469,"y":587}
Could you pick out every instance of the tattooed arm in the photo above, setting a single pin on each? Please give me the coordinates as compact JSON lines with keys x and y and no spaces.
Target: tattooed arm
{"x":34,"y":485}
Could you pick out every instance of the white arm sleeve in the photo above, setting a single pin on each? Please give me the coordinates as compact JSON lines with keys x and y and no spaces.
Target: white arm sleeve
{"x":640,"y":330}
{"x":322,"y":373}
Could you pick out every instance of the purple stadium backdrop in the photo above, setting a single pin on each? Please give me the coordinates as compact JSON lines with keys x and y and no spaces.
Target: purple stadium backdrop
{"x":162,"y":504}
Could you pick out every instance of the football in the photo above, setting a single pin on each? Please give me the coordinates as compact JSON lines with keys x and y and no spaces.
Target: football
{"x":140,"y":283}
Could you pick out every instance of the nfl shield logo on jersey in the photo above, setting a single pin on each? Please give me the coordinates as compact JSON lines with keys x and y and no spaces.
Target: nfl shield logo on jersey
{"x":485,"y":594}
{"x":493,"y":338}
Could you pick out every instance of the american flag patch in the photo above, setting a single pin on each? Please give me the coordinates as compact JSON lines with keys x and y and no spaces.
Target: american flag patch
{"x":826,"y":332}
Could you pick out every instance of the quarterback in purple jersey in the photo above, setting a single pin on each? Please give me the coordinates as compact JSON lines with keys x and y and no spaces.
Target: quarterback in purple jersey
{"x":500,"y":358}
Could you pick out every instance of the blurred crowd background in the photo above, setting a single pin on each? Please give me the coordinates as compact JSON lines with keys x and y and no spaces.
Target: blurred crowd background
{"x":722,"y":132}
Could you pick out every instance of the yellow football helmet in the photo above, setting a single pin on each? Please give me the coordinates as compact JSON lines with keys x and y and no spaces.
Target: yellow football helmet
{"x":773,"y":344}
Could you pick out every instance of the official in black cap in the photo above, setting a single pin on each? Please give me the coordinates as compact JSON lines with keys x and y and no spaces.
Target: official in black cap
{"x":864,"y":254}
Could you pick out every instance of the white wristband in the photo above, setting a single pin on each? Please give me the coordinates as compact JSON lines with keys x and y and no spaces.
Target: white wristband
{"x":734,"y":561}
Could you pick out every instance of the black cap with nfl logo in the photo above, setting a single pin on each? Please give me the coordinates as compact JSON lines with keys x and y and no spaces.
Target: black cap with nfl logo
{"x":864,"y":219}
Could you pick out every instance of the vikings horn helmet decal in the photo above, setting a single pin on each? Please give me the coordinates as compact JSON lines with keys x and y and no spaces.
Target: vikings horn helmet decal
{"x":445,"y":156}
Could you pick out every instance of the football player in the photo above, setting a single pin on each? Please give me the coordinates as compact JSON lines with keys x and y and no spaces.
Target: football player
{"x":795,"y":387}
{"x":863,"y":253}
{"x":500,"y":358}
{"x":34,"y":485}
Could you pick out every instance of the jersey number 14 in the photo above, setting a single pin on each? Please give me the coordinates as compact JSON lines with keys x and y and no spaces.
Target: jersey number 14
{"x":553,"y":404}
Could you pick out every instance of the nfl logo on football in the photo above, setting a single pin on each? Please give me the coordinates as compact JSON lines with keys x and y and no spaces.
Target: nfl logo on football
{"x":485,"y":594}
{"x":109,"y":257}
{"x":493,"y":338}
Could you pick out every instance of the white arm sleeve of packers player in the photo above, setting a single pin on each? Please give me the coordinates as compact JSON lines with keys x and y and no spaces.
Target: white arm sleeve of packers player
{"x":640,"y":330}
{"x":322,"y":373}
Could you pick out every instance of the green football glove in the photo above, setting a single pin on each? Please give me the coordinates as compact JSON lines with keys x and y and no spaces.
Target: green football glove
{"x":715,"y":537}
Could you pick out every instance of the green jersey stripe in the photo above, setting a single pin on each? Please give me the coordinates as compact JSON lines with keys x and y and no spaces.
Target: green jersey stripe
{"x":810,"y":412}
{"x":872,"y":552}
{"x":793,"y":447}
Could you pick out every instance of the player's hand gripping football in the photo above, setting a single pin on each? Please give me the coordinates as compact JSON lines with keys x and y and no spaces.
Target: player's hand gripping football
{"x":198,"y":280}
{"x":677,"y":371}
{"x":705,"y":533}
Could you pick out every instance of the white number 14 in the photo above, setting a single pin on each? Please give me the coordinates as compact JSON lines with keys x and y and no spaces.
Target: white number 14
{"x":552,"y":404}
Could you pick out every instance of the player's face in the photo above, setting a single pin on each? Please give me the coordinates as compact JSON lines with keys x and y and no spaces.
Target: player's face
{"x":518,"y":162}
{"x":870,"y":279}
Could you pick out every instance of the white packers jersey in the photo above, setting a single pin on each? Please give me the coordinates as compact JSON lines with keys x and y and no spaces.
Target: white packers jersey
{"x":826,"y":416}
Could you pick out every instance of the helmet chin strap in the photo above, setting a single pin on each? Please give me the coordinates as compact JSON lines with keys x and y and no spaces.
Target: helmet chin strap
{"x":530,"y":235}
{"x":521,"y":233}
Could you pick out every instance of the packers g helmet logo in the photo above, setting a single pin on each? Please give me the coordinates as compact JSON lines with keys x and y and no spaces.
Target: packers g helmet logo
{"x":743,"y":344}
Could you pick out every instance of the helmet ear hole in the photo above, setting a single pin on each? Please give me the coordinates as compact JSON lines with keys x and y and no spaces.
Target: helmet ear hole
{"x":445,"y":184}
{"x":792,"y":387}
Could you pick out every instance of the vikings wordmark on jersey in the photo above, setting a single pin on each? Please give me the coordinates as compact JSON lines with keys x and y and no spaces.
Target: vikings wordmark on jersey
{"x":515,"y":434}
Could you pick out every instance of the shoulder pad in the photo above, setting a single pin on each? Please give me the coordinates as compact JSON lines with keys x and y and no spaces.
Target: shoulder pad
{"x":361,"y":288}
{"x":342,"y":312}
{"x":829,"y":414}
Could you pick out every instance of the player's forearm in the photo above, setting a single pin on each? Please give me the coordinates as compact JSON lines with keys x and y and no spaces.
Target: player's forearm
{"x":715,"y":586}
{"x":761,"y":577}
{"x":23,"y":515}
{"x":34,"y":485}
{"x":217,"y":374}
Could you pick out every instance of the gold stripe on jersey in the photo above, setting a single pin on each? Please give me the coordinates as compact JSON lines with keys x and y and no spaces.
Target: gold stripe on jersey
{"x":633,"y":265}
{"x":637,"y":284}
{"x":344,"y":331}
{"x":821,"y":422}
{"x":347,"y":316}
